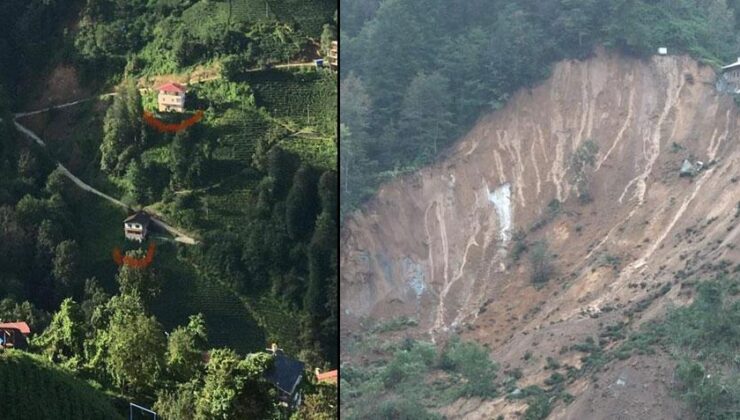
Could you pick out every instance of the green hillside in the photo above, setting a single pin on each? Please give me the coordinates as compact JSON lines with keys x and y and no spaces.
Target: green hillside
{"x":32,"y":388}
{"x":249,"y":187}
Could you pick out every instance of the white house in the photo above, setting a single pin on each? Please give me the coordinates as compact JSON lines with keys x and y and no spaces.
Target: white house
{"x":171,"y":97}
{"x":136,"y":226}
{"x":731,"y":74}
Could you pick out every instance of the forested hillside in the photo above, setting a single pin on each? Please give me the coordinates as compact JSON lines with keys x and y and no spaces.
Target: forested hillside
{"x":413,"y":82}
{"x":252,"y":184}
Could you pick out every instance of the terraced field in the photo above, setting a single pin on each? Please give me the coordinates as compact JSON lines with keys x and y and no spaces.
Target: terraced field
{"x":306,"y":97}
{"x":183,"y":294}
{"x":282,"y":323}
{"x":238,"y":132}
{"x":308,"y":16}
{"x":33,"y":388}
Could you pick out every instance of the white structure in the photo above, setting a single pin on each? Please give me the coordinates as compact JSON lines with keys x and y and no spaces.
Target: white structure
{"x":171,"y":97}
{"x":730,"y":80}
{"x":136,"y":226}
{"x":662,"y":50}
{"x":334,"y":55}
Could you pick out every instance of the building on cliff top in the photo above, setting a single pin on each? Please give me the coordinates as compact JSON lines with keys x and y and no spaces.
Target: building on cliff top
{"x":731,"y":76}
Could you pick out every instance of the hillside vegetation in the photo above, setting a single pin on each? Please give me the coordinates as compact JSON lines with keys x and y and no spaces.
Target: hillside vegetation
{"x":253,"y":182}
{"x":26,"y":380}
{"x":414,"y":82}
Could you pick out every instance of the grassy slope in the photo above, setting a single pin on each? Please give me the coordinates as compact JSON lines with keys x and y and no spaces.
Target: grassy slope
{"x":32,"y":388}
{"x":183,"y":292}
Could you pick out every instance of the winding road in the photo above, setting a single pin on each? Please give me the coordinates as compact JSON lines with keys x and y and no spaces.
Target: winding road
{"x":179,"y":235}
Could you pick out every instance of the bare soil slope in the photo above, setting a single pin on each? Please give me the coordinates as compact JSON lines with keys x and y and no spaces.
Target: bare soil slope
{"x":436,"y":245}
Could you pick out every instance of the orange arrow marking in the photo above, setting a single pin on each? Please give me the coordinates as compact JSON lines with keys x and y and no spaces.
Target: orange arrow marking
{"x":164,"y":127}
{"x":134,"y":262}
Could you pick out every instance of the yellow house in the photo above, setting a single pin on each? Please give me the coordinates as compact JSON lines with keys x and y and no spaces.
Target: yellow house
{"x":171,"y":97}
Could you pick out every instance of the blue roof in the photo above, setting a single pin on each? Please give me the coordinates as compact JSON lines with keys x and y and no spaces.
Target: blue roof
{"x":286,"y":373}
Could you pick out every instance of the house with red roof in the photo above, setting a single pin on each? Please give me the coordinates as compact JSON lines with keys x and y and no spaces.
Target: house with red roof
{"x":171,"y":97}
{"x":14,"y":335}
{"x":330,"y":377}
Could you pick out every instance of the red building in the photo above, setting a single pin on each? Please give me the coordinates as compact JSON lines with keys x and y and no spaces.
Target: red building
{"x":14,"y":335}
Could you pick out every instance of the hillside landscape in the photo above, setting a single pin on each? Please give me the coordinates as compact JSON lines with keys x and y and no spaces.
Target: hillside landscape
{"x":241,"y":250}
{"x":556,"y":259}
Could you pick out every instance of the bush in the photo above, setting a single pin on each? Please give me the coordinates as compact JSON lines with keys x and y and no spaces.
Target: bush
{"x":539,"y":408}
{"x":409,"y":365}
{"x":541,"y":263}
{"x":473,"y":363}
{"x":398,"y":409}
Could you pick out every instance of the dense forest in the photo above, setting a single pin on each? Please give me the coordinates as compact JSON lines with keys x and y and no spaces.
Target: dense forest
{"x":255,"y":182}
{"x":413,"y":82}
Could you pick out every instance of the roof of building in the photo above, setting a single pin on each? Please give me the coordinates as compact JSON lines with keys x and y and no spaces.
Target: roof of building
{"x":172,"y":87}
{"x":20,"y":326}
{"x":330,"y":376}
{"x":286,"y":373}
{"x":138,"y":217}
{"x":733,"y":65}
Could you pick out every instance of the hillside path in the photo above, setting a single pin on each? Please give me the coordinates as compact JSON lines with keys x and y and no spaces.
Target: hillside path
{"x":145,"y":89}
{"x":179,"y":235}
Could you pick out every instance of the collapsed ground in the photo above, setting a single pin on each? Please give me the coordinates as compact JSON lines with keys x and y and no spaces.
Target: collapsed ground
{"x":604,"y":237}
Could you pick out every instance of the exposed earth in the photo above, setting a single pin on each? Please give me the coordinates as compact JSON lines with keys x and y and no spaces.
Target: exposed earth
{"x":437,"y":245}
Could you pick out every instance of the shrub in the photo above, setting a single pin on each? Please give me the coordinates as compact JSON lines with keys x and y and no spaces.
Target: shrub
{"x":552,"y":363}
{"x":473,"y":363}
{"x":539,"y":408}
{"x":584,"y":156}
{"x":541,"y":262}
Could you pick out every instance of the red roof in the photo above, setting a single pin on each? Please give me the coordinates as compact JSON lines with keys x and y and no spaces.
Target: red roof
{"x":21,"y":326}
{"x":172,"y":87}
{"x":330,"y":376}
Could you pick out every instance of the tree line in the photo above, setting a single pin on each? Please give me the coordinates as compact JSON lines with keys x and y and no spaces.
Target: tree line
{"x":413,"y":82}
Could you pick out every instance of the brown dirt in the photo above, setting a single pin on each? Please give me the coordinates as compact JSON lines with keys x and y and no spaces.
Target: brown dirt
{"x":436,"y":228}
{"x":59,"y":86}
{"x":200,"y":73}
{"x":637,"y":388}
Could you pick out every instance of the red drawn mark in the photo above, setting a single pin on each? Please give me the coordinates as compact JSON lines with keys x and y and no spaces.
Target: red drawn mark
{"x":121,"y":259}
{"x":164,"y":127}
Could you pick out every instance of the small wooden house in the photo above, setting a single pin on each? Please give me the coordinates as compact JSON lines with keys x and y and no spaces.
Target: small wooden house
{"x":14,"y":335}
{"x":136,"y":226}
{"x":286,"y":374}
{"x":171,"y":97}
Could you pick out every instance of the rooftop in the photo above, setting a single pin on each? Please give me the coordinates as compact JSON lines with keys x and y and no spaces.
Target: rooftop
{"x":733,"y":65}
{"x":286,"y":373}
{"x":330,"y":376}
{"x":138,"y":217}
{"x":20,"y":326}
{"x":172,"y":87}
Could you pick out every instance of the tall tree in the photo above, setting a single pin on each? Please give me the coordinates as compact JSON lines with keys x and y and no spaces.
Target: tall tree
{"x":235,"y":388}
{"x":135,"y":346}
{"x":185,"y":348}
{"x":302,"y":203}
{"x":426,"y":118}
{"x":145,"y":282}
{"x":66,"y":265}
{"x":63,"y":339}
{"x":124,"y":132}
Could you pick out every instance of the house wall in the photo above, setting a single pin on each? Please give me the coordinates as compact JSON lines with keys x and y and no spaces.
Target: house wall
{"x":168,"y":101}
{"x":732,"y":75}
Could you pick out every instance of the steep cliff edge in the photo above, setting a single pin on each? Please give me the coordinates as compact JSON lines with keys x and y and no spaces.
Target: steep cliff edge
{"x":437,"y":245}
